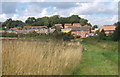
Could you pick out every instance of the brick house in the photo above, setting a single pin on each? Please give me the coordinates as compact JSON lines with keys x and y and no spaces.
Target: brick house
{"x":108,"y":29}
{"x":68,"y":25}
{"x":77,"y":30}
{"x":35,"y":27}
{"x":77,"y":24}
{"x":16,"y":28}
{"x":83,"y":31}
{"x":59,"y":25}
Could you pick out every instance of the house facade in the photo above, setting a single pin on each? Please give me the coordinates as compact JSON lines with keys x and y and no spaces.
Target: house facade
{"x":108,"y":29}
{"x":77,"y":30}
{"x":58,"y":25}
{"x":83,"y":31}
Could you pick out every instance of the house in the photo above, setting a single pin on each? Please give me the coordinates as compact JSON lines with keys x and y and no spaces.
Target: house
{"x":59,"y":25}
{"x":77,"y":24}
{"x":83,"y":31}
{"x":27,"y":27}
{"x":77,"y":30}
{"x":66,"y":30}
{"x":68,"y":25}
{"x":15,"y":28}
{"x":108,"y":29}
{"x":35,"y":27}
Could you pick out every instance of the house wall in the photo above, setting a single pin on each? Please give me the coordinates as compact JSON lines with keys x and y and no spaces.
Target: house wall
{"x":83,"y":34}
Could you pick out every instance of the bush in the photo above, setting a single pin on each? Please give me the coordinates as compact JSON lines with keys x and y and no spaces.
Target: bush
{"x":9,"y":35}
{"x":102,"y":35}
{"x":31,"y":34}
{"x":63,"y":36}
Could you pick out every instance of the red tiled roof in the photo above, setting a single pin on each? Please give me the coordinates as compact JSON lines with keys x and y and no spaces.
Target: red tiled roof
{"x":15,"y":28}
{"x":84,"y":28}
{"x":108,"y":27}
{"x":76,"y":24}
{"x":67,"y":24}
{"x":58,"y":24}
{"x":27,"y":26}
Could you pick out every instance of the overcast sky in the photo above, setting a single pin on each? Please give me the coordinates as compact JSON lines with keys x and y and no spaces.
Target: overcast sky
{"x":97,"y":12}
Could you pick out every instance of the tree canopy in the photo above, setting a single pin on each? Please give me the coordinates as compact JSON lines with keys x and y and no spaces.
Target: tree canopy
{"x":45,"y":21}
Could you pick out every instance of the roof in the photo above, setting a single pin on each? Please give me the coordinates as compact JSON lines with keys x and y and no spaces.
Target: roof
{"x":35,"y":26}
{"x":108,"y":27}
{"x":15,"y":28}
{"x":76,"y":24}
{"x":84,"y":28}
{"x":67,"y":24}
{"x":27,"y":26}
{"x":39,"y":27}
{"x":65,"y":30}
{"x":58,"y":24}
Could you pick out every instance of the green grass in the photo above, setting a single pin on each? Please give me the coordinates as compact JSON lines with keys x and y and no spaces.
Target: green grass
{"x":99,"y":57}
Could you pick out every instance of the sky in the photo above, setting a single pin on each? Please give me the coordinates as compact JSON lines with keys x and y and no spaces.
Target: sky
{"x":97,"y":12}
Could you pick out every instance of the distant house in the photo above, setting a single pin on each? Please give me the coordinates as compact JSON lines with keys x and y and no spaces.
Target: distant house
{"x":35,"y":27}
{"x":83,"y":31}
{"x":77,"y":30}
{"x":77,"y":24}
{"x":15,"y":28}
{"x":59,"y":25}
{"x":27,"y":27}
{"x":66,"y":30}
{"x":108,"y":29}
{"x":68,"y":25}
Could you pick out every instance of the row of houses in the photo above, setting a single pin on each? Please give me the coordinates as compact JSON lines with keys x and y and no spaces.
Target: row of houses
{"x":27,"y":29}
{"x":85,"y":31}
{"x":76,"y":29}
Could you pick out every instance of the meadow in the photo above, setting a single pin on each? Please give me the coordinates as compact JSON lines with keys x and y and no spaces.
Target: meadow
{"x":87,"y":56}
{"x":100,"y":57}
{"x":40,"y":57}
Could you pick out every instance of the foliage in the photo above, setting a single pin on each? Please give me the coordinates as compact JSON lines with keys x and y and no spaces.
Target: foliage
{"x":95,"y":26}
{"x":9,"y":35}
{"x":62,"y":36}
{"x":116,"y":35}
{"x":45,"y":21}
{"x":83,"y":21}
{"x":9,"y":23}
{"x":102,"y":35}
{"x":30,"y":20}
{"x":117,"y":23}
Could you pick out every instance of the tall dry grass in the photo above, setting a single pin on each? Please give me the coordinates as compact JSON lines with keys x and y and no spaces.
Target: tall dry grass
{"x":40,"y":57}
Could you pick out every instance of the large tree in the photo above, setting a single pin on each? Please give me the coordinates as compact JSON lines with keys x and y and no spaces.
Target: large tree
{"x":74,"y":19}
{"x":83,"y":21}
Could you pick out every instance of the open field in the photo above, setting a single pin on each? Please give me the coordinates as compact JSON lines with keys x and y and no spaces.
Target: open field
{"x":40,"y":57}
{"x":99,"y":57}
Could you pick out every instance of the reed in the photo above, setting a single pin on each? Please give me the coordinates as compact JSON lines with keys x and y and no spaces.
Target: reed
{"x":40,"y":57}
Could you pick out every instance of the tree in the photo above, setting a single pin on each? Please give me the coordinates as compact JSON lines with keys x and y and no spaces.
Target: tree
{"x":116,"y":24}
{"x":74,"y":19}
{"x":54,"y":20}
{"x":95,"y":26}
{"x":30,"y":20}
{"x":102,"y":35}
{"x":116,"y":34}
{"x":83,"y":21}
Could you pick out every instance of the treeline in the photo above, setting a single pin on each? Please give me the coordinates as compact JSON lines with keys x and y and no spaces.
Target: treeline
{"x":45,"y":21}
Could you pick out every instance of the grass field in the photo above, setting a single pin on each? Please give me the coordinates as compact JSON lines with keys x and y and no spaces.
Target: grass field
{"x":40,"y":57}
{"x":99,"y":57}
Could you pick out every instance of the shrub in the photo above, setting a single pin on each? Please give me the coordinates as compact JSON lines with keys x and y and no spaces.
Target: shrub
{"x":9,"y":35}
{"x":102,"y":35}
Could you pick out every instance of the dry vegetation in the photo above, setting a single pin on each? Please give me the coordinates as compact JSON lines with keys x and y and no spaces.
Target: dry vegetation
{"x":40,"y":57}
